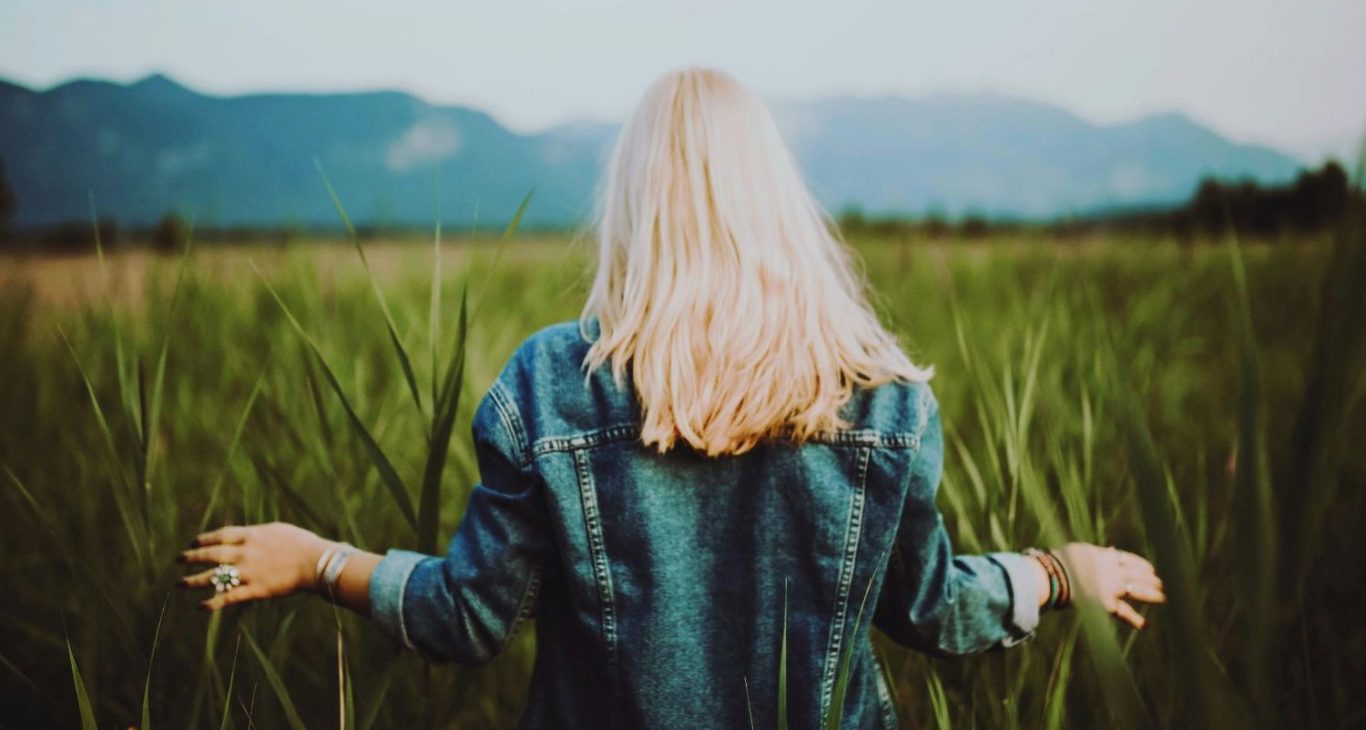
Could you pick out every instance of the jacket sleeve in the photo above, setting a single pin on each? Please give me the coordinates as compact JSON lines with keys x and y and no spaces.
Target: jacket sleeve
{"x":466,"y":606}
{"x":940,"y":603}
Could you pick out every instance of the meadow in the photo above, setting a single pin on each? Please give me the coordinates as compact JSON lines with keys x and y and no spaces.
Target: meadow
{"x":1196,"y":403}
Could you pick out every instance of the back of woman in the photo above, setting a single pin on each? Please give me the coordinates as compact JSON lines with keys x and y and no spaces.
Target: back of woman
{"x":720,"y":477}
{"x":664,"y":585}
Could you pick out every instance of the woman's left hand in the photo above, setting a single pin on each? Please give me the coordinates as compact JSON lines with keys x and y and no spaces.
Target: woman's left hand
{"x":270,"y":560}
{"x":1110,"y":578}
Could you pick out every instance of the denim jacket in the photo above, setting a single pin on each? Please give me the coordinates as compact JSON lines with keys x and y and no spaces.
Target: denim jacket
{"x":663,"y":585}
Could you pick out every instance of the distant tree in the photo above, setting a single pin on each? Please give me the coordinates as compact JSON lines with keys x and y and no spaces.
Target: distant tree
{"x":8,"y":203}
{"x":1316,"y":200}
{"x":171,"y":234}
{"x":934,"y":224}
{"x":1318,"y":197}
{"x":974,"y":225}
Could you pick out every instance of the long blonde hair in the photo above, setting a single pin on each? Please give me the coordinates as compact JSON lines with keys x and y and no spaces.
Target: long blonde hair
{"x":721,"y":283}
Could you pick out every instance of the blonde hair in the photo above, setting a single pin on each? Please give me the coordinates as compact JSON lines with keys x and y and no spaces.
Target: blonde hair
{"x":721,"y":283}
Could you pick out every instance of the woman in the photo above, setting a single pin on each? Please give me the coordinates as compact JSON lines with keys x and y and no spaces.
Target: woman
{"x":724,"y":457}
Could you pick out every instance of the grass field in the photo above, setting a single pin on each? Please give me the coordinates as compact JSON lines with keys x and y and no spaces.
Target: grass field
{"x":1198,"y":404}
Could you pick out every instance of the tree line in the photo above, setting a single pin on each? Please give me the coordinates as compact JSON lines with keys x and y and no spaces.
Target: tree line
{"x":1314,"y":201}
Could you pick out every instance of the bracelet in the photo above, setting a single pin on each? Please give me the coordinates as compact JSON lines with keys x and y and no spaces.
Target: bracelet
{"x":1054,"y":585}
{"x":1059,"y":582}
{"x":330,"y":565}
{"x":1064,"y":578}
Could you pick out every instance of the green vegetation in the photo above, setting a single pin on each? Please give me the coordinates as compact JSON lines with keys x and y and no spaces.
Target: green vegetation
{"x":1201,"y":405}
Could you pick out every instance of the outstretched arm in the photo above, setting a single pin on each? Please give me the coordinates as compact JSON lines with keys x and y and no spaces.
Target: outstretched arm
{"x":276,"y":559}
{"x":949,"y":604}
{"x":462,"y":607}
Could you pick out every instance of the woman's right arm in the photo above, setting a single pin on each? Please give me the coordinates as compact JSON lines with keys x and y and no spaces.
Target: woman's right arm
{"x":463,"y":606}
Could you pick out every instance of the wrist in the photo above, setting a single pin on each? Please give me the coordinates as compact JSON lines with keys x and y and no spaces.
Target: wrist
{"x":329,"y":567}
{"x":1057,"y":585}
{"x":312,"y":555}
{"x":1043,"y":590}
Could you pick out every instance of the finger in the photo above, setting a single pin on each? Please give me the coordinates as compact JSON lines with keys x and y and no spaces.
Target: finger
{"x":228,"y":535}
{"x":203,"y":579}
{"x":1146,"y":592}
{"x":1127,"y":613}
{"x":211,"y":554}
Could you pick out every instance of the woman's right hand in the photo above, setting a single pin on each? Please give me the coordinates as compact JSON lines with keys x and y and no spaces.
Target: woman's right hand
{"x":1110,"y":578}
{"x":272,"y":560}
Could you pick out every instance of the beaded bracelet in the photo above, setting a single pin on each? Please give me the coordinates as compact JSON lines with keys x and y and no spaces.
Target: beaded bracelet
{"x":1059,"y":582}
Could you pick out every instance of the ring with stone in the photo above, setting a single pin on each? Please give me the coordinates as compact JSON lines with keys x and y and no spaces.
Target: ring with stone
{"x":225,"y":577}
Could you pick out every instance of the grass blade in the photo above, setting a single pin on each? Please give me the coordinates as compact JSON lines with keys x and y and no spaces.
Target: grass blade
{"x":140,"y":456}
{"x":152,"y":415}
{"x":232,"y":679}
{"x":276,"y":683}
{"x":399,"y":349}
{"x":508,"y":233}
{"x":939,"y":701}
{"x":232,"y":449}
{"x":120,"y":363}
{"x":1175,"y":563}
{"x":782,"y":669}
{"x":82,"y":700}
{"x":836,"y":710}
{"x":388,"y":475}
{"x":749,"y":706}
{"x":1256,"y":527}
{"x":120,"y":496}
{"x":147,"y":686}
{"x":377,"y":700}
{"x":208,"y":670}
{"x":443,"y":423}
{"x":434,"y":310}
{"x":1056,"y":703}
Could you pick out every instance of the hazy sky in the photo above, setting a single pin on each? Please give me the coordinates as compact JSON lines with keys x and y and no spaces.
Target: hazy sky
{"x":1291,"y":73}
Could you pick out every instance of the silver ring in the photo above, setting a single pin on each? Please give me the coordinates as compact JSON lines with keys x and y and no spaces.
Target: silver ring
{"x":225,"y":577}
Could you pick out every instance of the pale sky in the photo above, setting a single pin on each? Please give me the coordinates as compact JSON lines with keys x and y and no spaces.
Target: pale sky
{"x":1291,"y":73}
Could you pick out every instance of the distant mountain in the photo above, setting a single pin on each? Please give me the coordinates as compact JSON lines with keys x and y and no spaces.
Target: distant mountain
{"x":155,"y":146}
{"x":1004,"y":156}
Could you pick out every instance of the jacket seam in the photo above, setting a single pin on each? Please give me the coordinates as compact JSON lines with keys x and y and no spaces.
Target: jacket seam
{"x":884,"y":696}
{"x":853,"y":536}
{"x":402,"y":600}
{"x":524,"y":609}
{"x":598,"y":552}
{"x":511,"y":420}
{"x":623,"y":432}
{"x":587,"y":439}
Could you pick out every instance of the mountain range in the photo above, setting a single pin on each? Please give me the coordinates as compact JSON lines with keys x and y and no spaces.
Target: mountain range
{"x":154,"y":146}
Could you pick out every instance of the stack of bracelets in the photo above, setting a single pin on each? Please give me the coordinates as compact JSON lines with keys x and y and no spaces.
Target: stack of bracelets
{"x":330,"y":565}
{"x":1059,"y":583}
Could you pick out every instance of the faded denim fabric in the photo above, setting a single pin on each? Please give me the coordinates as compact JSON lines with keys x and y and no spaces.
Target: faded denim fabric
{"x":659,"y":582}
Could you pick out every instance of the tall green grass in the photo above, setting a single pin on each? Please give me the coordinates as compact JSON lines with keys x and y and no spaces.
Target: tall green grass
{"x":1195,"y":404}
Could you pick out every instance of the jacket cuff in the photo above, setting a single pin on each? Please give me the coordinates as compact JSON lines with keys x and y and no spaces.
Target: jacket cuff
{"x":387,"y":585}
{"x":1024,"y":611}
